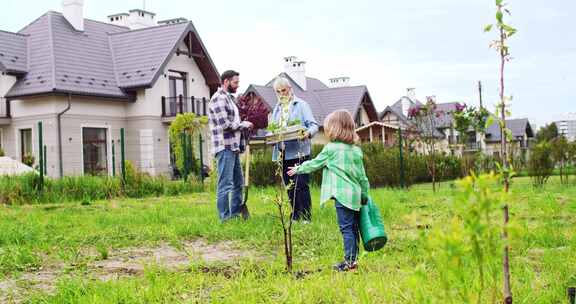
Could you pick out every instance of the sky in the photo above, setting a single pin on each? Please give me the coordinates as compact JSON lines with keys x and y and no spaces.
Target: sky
{"x":435,"y":46}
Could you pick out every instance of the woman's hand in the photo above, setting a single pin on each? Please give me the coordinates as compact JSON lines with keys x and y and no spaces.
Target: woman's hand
{"x":292,"y":170}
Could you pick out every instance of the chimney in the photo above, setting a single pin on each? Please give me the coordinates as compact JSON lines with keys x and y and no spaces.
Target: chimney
{"x":339,"y":82}
{"x":411,"y":93}
{"x":119,"y":19}
{"x":296,"y":70}
{"x":134,"y":19}
{"x":73,"y":11}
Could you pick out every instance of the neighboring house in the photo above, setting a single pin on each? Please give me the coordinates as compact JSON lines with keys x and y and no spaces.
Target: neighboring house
{"x":325,"y":99}
{"x":567,"y":126}
{"x":85,"y":80}
{"x":522,"y":136}
{"x":448,"y":138}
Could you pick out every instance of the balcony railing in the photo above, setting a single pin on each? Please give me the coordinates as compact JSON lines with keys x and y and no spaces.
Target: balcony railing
{"x":172,"y":106}
{"x":472,"y":146}
{"x":5,"y":108}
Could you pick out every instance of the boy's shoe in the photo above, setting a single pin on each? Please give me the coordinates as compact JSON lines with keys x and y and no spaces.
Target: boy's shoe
{"x":346,"y":266}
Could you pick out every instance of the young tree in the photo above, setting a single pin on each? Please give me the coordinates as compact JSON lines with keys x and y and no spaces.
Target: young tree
{"x":561,"y":156}
{"x":469,"y":119}
{"x":181,"y":132}
{"x":505,"y":31}
{"x":425,"y":119}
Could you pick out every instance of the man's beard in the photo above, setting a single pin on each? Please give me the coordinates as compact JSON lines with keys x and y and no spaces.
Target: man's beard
{"x":231,"y":90}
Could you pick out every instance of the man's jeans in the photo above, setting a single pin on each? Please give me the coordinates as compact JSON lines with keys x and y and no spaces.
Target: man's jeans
{"x":349,"y":222}
{"x":230,"y":180}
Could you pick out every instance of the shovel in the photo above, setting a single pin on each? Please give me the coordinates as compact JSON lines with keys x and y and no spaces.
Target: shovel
{"x":244,"y":208}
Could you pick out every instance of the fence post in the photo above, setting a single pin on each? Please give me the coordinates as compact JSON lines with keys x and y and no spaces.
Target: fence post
{"x":201,"y":159}
{"x":113,"y":159}
{"x":401,"y":156}
{"x":572,"y":295}
{"x":41,"y":158}
{"x":163,"y":106}
{"x":180,"y":104}
{"x":204,"y":105}
{"x":45,"y":161}
{"x":123,"y":155}
{"x":193,"y":102}
{"x":184,"y":156}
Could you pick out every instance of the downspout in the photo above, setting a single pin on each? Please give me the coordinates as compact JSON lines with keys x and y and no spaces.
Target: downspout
{"x":59,"y":121}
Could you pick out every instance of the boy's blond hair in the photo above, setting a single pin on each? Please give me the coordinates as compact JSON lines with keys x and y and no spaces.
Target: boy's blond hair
{"x":339,"y":126}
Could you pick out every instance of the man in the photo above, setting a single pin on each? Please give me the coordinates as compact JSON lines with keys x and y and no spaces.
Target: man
{"x":226,"y":127}
{"x":290,"y":108}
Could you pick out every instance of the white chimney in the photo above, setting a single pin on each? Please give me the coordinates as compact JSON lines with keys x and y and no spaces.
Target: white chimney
{"x":140,"y":19}
{"x":411,"y":93}
{"x":119,"y":19}
{"x":339,"y":82}
{"x":296,"y":70}
{"x":73,"y":11}
{"x":135,"y":19}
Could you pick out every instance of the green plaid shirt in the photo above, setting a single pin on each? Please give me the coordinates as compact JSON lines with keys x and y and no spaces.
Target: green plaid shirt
{"x":343,"y":177}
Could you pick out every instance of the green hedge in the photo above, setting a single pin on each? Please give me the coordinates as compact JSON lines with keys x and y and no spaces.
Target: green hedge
{"x":382,"y":167}
{"x":17,"y":190}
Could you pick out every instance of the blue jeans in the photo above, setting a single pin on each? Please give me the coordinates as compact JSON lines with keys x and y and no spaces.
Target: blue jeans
{"x":230,"y":181}
{"x":349,"y":222}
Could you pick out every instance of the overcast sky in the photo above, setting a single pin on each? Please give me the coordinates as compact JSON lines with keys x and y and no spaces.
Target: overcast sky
{"x":436,"y":46}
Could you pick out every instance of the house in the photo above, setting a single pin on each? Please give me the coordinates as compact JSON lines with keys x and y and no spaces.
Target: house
{"x":522,"y":137}
{"x":85,"y":80}
{"x":567,"y":126}
{"x":324,"y":99}
{"x":449,"y":138}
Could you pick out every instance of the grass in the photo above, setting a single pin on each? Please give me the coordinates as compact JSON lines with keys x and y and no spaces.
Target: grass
{"x":37,"y":237}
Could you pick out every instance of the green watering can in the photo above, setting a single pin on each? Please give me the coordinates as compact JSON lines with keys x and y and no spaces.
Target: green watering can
{"x":371,"y":227}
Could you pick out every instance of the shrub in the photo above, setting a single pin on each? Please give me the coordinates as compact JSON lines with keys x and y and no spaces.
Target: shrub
{"x":28,"y":160}
{"x":17,"y":190}
{"x":382,"y":166}
{"x":541,"y":164}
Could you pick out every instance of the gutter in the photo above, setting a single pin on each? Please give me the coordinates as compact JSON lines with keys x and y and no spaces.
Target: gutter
{"x":59,"y":121}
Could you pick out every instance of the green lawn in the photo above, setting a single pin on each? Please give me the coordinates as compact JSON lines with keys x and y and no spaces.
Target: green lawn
{"x":67,"y":240}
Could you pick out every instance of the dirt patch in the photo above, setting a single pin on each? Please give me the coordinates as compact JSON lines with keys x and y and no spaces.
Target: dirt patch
{"x":131,"y":262}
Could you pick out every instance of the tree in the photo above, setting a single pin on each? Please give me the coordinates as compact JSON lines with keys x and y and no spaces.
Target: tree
{"x":561,"y":156}
{"x":541,"y":163}
{"x":469,"y":119}
{"x":425,"y":119}
{"x":547,"y":133}
{"x":505,"y":31}
{"x":181,"y":132}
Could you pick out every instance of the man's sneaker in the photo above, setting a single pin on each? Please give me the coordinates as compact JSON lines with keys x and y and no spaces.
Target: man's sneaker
{"x":346,"y":266}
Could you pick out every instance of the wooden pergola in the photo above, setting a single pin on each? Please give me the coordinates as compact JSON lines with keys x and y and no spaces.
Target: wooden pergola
{"x":378,"y":131}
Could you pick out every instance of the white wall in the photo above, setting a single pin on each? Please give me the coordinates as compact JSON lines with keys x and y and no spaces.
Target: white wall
{"x":149,"y":101}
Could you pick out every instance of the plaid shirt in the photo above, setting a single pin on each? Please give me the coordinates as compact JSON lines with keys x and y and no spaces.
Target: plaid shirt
{"x":224,"y":120}
{"x":343,"y":177}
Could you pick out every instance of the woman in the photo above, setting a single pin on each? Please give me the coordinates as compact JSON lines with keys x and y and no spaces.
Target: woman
{"x":293,"y":109}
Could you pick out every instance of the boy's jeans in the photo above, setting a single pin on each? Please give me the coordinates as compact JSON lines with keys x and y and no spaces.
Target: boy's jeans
{"x":230,"y":180}
{"x":349,"y":222}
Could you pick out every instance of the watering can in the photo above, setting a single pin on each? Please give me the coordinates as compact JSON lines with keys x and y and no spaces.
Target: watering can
{"x":372,"y":227}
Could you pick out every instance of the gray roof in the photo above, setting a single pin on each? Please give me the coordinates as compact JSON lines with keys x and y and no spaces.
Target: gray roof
{"x":519,"y":128}
{"x":13,"y":52}
{"x":322,"y":99}
{"x":396,"y":108}
{"x":139,"y":54}
{"x":104,"y":60}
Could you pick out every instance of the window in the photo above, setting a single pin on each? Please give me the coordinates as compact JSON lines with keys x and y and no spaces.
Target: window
{"x":25,"y":143}
{"x":178,"y":87}
{"x":95,"y":151}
